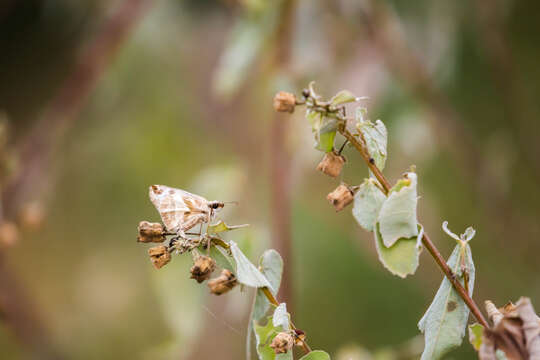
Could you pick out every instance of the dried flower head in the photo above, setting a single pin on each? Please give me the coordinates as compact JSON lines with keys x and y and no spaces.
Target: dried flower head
{"x":223,"y":283}
{"x":282,"y":343}
{"x":159,"y":255}
{"x":9,"y":234}
{"x":340,"y":197}
{"x":151,"y":232}
{"x":202,"y":269}
{"x":284,"y":102}
{"x":331,"y":164}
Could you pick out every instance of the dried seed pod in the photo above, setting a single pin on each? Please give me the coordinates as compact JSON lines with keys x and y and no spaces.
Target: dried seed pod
{"x":151,"y":232}
{"x":282,"y":343}
{"x":159,"y":255}
{"x":340,"y":197}
{"x":9,"y":234}
{"x":223,"y":283}
{"x":202,"y":269}
{"x":331,"y":164}
{"x":284,"y":102}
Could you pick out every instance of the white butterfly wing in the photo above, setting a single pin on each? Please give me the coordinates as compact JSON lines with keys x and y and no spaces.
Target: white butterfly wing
{"x":179,"y":209}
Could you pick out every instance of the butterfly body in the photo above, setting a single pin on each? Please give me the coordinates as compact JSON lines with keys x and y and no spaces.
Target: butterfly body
{"x":181,"y":210}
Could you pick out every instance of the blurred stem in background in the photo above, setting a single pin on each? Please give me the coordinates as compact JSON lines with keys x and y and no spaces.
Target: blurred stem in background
{"x":35,"y":151}
{"x":280,"y":166}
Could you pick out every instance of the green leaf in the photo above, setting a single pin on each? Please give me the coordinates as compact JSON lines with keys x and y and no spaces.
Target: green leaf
{"x":221,"y":226}
{"x":264,"y":336}
{"x":402,"y":258}
{"x":376,"y":137}
{"x":271,"y":265}
{"x":367,"y":204}
{"x":223,"y":259}
{"x":246,"y":272}
{"x":316,"y":355}
{"x":445,"y":320}
{"x":397,"y":218}
{"x":281,"y":317}
{"x":315,"y":119}
{"x":342,"y":97}
{"x":324,"y":129}
{"x":476,"y":331}
{"x":326,"y":135}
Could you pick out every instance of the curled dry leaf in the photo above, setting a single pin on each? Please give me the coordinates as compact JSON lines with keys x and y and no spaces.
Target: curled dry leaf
{"x":531,"y":327}
{"x":341,"y":197}
{"x":516,"y":332}
{"x":331,"y":164}
{"x":493,"y":313}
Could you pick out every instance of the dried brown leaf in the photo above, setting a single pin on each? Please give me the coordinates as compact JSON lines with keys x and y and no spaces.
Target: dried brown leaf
{"x":531,"y":327}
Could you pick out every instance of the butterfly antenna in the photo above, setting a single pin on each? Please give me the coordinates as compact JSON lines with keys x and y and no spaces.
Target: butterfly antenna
{"x":231,"y":202}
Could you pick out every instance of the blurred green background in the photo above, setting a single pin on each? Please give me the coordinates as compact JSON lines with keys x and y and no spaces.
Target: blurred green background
{"x":100,"y":99}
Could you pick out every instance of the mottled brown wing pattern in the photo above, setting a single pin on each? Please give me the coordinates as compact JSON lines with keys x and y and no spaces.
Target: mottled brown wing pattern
{"x":179,"y":209}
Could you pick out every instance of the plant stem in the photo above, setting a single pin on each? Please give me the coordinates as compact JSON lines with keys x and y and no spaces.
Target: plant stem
{"x":271,"y":298}
{"x":425,"y":238}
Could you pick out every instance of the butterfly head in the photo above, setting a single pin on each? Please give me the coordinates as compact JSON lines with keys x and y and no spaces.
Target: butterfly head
{"x":216,"y":205}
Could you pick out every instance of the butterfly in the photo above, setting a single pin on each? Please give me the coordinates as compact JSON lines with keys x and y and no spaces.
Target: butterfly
{"x":181,"y":210}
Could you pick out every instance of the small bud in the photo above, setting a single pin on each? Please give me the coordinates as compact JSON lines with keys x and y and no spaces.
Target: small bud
{"x":340,"y":197}
{"x":159,"y":255}
{"x":282,"y":343}
{"x":9,"y":234}
{"x":284,"y":102}
{"x":331,"y":164}
{"x":151,"y":232}
{"x":305,"y":93}
{"x":223,"y":283}
{"x":202,"y":269}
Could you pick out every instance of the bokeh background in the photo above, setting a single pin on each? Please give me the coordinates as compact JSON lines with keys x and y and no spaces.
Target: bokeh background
{"x":100,"y":99}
